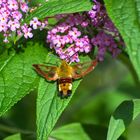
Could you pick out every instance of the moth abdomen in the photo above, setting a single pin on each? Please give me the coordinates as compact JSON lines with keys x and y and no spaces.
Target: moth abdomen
{"x":64,"y":87}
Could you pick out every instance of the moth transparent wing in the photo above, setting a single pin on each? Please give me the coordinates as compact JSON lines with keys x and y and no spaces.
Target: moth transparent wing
{"x":48,"y":72}
{"x":81,"y":69}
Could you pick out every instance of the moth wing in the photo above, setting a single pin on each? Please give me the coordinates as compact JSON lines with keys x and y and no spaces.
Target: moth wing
{"x":48,"y":72}
{"x":81,"y":69}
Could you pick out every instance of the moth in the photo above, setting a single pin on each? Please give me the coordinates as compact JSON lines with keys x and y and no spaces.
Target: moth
{"x":65,"y":74}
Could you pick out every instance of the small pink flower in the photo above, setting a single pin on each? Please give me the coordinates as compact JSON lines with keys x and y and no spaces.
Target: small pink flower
{"x":62,"y":27}
{"x":28,"y":33}
{"x":35,"y":23}
{"x":3,"y":27}
{"x":84,"y":24}
{"x":24,"y":7}
{"x":16,"y":15}
{"x":12,"y":4}
{"x":3,"y":19}
{"x":43,"y":25}
{"x":67,"y":39}
{"x":57,"y":41}
{"x":74,"y":33}
{"x":6,"y":13}
{"x":14,"y":25}
{"x":53,"y":31}
{"x":19,"y":33}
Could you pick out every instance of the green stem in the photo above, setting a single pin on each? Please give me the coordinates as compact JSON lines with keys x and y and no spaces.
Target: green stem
{"x":14,"y":130}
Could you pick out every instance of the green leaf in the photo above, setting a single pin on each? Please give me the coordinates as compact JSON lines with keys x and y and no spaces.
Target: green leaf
{"x":55,"y":7}
{"x":73,"y":131}
{"x":126,"y":16}
{"x":37,"y":2}
{"x":122,"y":117}
{"x":17,"y":77}
{"x":13,"y":137}
{"x":95,"y":131}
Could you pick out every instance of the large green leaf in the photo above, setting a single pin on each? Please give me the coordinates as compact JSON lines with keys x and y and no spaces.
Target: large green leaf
{"x":126,"y":16}
{"x":17,"y":77}
{"x":73,"y":131}
{"x":122,"y":117}
{"x":13,"y":137}
{"x":55,"y":7}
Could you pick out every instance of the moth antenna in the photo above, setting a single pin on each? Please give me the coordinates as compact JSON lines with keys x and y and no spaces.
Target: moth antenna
{"x":68,"y":58}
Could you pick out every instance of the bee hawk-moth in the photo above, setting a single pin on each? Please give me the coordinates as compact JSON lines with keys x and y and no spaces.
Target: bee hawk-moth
{"x":65,"y":74}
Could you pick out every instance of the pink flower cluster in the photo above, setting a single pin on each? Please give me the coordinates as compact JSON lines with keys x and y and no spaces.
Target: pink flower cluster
{"x":97,"y":14}
{"x":107,"y":38}
{"x":67,"y":40}
{"x":12,"y":12}
{"x":105,"y":42}
{"x":81,"y":32}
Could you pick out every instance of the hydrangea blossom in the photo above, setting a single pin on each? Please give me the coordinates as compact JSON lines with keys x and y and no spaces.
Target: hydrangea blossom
{"x":12,"y":12}
{"x":81,"y":32}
